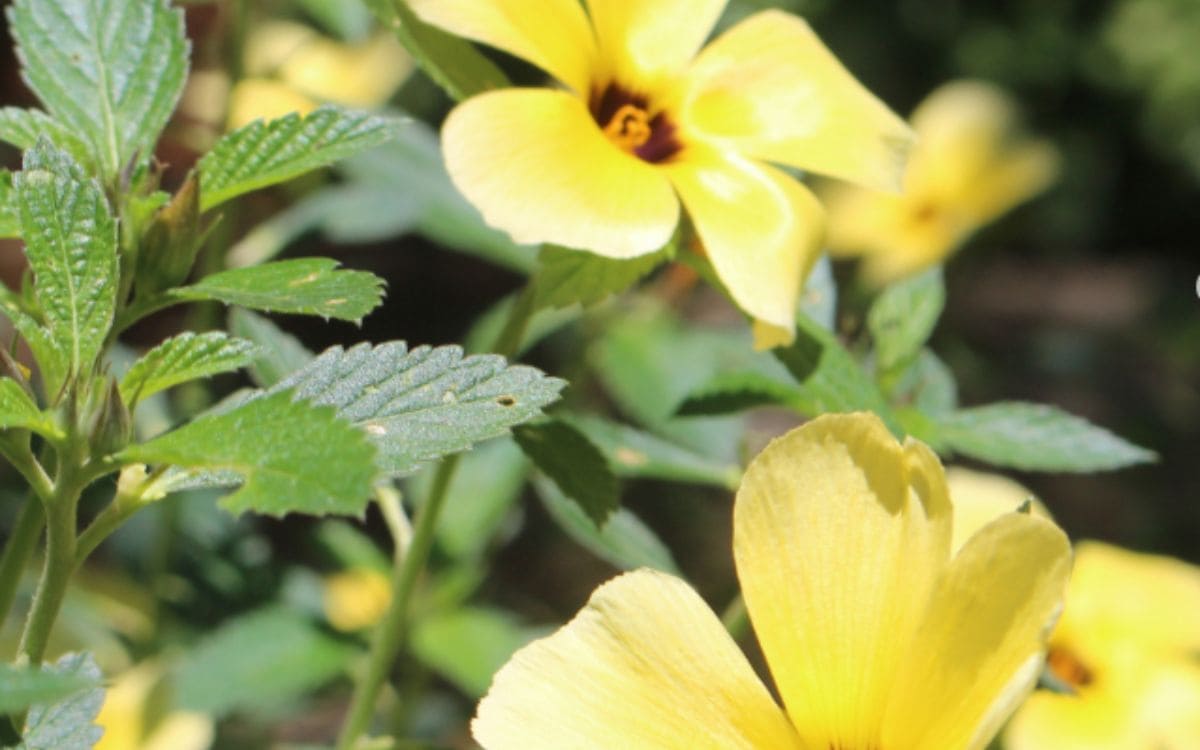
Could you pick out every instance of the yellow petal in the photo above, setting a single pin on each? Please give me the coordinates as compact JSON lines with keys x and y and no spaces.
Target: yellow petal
{"x":761,"y":229}
{"x":645,"y":44}
{"x":261,"y":99}
{"x":769,"y":88}
{"x":839,"y":536}
{"x":356,"y":598}
{"x":552,"y":34}
{"x":364,"y":75}
{"x":536,"y":165}
{"x":980,"y":646}
{"x":980,"y":498}
{"x":646,"y":664}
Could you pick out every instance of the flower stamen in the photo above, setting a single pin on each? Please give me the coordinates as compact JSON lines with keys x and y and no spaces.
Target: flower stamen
{"x":1068,"y":668}
{"x":629,"y":128}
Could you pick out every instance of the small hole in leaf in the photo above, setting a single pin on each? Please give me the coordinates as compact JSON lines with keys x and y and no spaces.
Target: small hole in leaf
{"x":506,"y":401}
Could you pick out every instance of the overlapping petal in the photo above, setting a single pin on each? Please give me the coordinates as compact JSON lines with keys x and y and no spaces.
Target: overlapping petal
{"x":646,"y":664}
{"x":979,"y":647}
{"x":840,"y":533}
{"x":762,"y":230}
{"x":552,"y":34}
{"x":980,"y":498}
{"x":536,"y":166}
{"x":770,"y":89}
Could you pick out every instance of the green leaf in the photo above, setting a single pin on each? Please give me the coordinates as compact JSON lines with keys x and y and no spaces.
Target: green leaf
{"x":267,"y":153}
{"x":110,"y":70}
{"x":903,"y":317}
{"x":279,"y":352}
{"x":929,"y":385}
{"x":468,"y":646}
{"x":450,"y":61}
{"x":566,"y":277}
{"x":67,"y":724}
{"x":71,"y":242}
{"x":23,"y":127}
{"x":426,"y":403}
{"x":304,"y":286}
{"x":1036,"y":437}
{"x":634,"y":453}
{"x":257,"y":663}
{"x":349,"y":20}
{"x":294,"y":457}
{"x":624,"y":541}
{"x":819,"y":298}
{"x":732,"y":392}
{"x":17,"y":409}
{"x":10,"y":215}
{"x":22,"y":687}
{"x":830,"y":379}
{"x":51,"y":360}
{"x":570,"y":460}
{"x":185,"y":357}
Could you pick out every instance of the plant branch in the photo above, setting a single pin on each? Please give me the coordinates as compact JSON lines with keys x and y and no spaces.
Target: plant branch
{"x":17,"y":551}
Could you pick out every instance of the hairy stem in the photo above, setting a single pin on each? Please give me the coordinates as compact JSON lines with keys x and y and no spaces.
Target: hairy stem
{"x":17,"y":551}
{"x":56,"y":574}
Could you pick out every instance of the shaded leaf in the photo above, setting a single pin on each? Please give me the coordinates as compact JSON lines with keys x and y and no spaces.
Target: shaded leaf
{"x":1036,"y":437}
{"x":426,"y":403}
{"x":10,"y":215}
{"x":732,"y":392}
{"x":573,"y":463}
{"x":468,"y":646}
{"x":22,"y":687}
{"x":185,"y":357}
{"x":306,"y":286}
{"x":17,"y":409}
{"x":279,"y":352}
{"x":566,"y":277}
{"x":51,"y":360}
{"x":929,"y":385}
{"x":267,"y":153}
{"x":903,"y":317}
{"x":819,"y":298}
{"x":23,"y":127}
{"x":67,"y":724}
{"x":294,"y":457}
{"x":110,"y":70}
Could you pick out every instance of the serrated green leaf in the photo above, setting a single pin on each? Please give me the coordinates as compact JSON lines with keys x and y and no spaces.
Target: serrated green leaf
{"x":566,"y":277}
{"x":469,"y":645}
{"x":17,"y":409}
{"x":426,"y":403}
{"x":624,"y":541}
{"x":829,"y":378}
{"x":294,"y":457}
{"x":304,"y":286}
{"x":257,"y":663}
{"x":23,"y":127}
{"x":279,"y":352}
{"x":903,"y":317}
{"x":110,"y":70}
{"x":732,"y":392}
{"x":1036,"y":437}
{"x":67,"y":724}
{"x":10,"y":215}
{"x":51,"y":360}
{"x":22,"y":687}
{"x":71,"y":242}
{"x":450,"y":61}
{"x":634,"y":453}
{"x":185,"y":357}
{"x":267,"y":153}
{"x":570,"y":460}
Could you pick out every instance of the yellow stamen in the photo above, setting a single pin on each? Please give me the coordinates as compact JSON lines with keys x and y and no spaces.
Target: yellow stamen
{"x":629,"y":127}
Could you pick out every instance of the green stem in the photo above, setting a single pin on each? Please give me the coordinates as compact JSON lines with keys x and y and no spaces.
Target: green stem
{"x":391,"y":631}
{"x":21,"y":543}
{"x":56,"y":574}
{"x":735,"y":619}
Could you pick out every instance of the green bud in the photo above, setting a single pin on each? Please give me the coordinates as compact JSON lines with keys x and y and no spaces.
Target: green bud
{"x":171,"y":241}
{"x":112,"y":424}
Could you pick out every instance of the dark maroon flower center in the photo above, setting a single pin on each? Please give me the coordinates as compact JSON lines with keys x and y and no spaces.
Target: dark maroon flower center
{"x":628,"y":121}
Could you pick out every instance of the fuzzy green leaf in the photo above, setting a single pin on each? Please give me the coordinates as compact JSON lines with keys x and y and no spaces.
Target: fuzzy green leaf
{"x":279,"y":352}
{"x":110,"y":70}
{"x":23,"y":127}
{"x":903,"y":317}
{"x":573,"y":463}
{"x":566,"y":277}
{"x":67,"y":724}
{"x":450,"y":61}
{"x":51,"y":360}
{"x":185,"y":357}
{"x":71,"y":242}
{"x":732,"y":392}
{"x":10,"y":215}
{"x":426,"y":403}
{"x":267,"y":153}
{"x":1036,"y":437}
{"x":22,"y":687}
{"x":303,"y":286}
{"x":17,"y":409}
{"x":294,"y":457}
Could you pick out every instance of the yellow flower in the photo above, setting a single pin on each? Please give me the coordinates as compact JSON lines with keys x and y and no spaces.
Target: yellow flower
{"x":980,"y":498}
{"x":875,"y":636}
{"x":967,"y":169}
{"x":356,"y":599}
{"x":130,"y":723}
{"x":1129,"y":644}
{"x":646,"y":118}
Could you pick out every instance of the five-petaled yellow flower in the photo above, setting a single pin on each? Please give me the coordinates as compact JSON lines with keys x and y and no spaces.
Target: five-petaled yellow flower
{"x":876,"y":636}
{"x":644,"y":120}
{"x":969,"y":167}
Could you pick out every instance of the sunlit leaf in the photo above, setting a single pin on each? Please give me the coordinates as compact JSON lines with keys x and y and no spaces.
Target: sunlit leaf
{"x":572,"y":462}
{"x":903,"y":317}
{"x":181,"y":358}
{"x":23,"y":127}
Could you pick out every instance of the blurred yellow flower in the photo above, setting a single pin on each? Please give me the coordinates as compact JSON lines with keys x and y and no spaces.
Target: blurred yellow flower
{"x":875,"y":635}
{"x":980,"y":498}
{"x":645,"y":118}
{"x":356,"y":599}
{"x":968,"y":168}
{"x":130,"y":721}
{"x":292,"y":68}
{"x":1129,"y":644}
